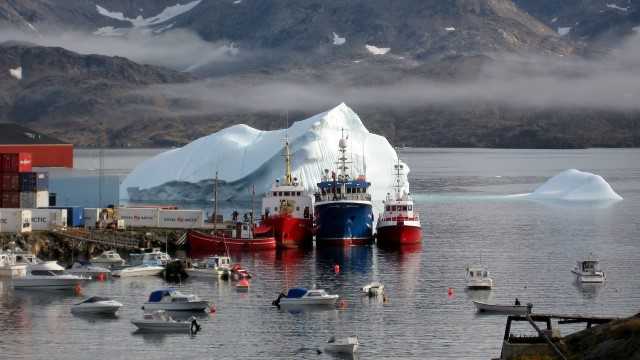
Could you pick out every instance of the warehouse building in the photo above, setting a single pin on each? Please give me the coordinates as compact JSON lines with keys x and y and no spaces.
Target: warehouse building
{"x":45,"y":150}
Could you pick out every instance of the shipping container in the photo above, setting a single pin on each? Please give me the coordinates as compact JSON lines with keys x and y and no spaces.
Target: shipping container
{"x":28,"y":181}
{"x":180,"y":219}
{"x":15,"y":162}
{"x":15,"y":221}
{"x":10,"y":199}
{"x":139,"y":217}
{"x":75,"y":215}
{"x":42,"y":181}
{"x":52,"y":199}
{"x":42,"y":199}
{"x":27,"y":200}
{"x":91,"y":217}
{"x":48,"y":219}
{"x":44,"y":155}
{"x":10,"y":182}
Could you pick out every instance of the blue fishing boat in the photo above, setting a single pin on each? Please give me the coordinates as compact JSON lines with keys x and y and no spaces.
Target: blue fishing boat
{"x":343,"y":210}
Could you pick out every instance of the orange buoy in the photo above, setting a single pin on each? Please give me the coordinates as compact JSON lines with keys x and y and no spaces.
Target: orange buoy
{"x":450,"y":293}
{"x":342,"y":304}
{"x":77,"y":289}
{"x":212,"y":308}
{"x":336,"y":268}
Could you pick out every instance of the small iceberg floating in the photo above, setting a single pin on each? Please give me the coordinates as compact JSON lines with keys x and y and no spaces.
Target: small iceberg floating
{"x":575,"y":185}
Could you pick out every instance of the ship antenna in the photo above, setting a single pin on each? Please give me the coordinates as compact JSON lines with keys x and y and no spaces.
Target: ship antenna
{"x":288,"y":178}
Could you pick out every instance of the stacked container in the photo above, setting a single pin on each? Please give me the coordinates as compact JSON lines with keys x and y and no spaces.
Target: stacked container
{"x":11,"y":168}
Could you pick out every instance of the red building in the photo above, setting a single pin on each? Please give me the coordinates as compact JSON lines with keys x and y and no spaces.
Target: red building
{"x":45,"y":150}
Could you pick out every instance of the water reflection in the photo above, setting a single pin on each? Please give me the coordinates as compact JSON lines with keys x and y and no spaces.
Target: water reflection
{"x":588,"y":291}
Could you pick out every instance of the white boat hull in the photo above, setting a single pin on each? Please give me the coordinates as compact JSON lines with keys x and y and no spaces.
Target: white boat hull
{"x":589,"y":278}
{"x":107,"y":308}
{"x":501,"y":309}
{"x":138,"y":271}
{"x":162,"y":326}
{"x":177,"y":306}
{"x":46,"y":282}
{"x":343,"y":346}
{"x":486,"y":284}
{"x":329,"y":300}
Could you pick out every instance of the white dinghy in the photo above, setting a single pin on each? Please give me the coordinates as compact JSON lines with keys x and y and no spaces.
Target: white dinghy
{"x":373,"y":289}
{"x":96,"y":305}
{"x":347,"y":345}
{"x":160,"y":321}
{"x":505,"y":309}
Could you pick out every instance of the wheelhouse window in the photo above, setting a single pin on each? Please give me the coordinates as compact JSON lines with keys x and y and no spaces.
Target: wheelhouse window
{"x":280,"y":193}
{"x":275,"y":193}
{"x":287,"y":193}
{"x":410,"y":207}
{"x":298,"y":193}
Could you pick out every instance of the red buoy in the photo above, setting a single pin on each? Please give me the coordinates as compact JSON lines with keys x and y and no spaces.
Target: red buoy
{"x":450,"y":293}
{"x":212,"y":308}
{"x":336,"y":268}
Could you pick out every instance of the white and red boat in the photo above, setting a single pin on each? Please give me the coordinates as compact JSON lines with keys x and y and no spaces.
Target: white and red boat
{"x":244,"y":237}
{"x":399,"y":224}
{"x":287,"y":209}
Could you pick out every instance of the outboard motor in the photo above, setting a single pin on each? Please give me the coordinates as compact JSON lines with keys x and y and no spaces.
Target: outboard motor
{"x":276,"y":302}
{"x":195,"y":327}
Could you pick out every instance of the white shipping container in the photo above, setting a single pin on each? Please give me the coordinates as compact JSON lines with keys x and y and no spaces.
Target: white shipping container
{"x":48,"y":219}
{"x":42,"y":199}
{"x":91,"y":217}
{"x":180,"y":219}
{"x":27,"y":200}
{"x":139,"y":217}
{"x":15,"y":221}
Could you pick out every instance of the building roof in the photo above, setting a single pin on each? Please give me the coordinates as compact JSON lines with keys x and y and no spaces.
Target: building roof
{"x":14,"y":134}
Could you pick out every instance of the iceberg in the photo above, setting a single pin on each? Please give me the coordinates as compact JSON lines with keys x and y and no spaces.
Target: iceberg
{"x":575,"y":185}
{"x":244,"y":158}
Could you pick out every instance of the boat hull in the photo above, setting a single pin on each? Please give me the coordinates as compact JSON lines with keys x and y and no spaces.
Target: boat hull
{"x":30,"y":283}
{"x":344,"y":223}
{"x":290,"y":232}
{"x":131,"y":272}
{"x":179,"y":306}
{"x":201,"y":244}
{"x":162,"y":326}
{"x":99,"y":309}
{"x":13,"y":271}
{"x":589,"y":278}
{"x":399,"y":234}
{"x":501,"y":309}
{"x":325,"y":301}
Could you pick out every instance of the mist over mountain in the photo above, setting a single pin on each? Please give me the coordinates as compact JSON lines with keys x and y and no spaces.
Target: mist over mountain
{"x":493,"y":73}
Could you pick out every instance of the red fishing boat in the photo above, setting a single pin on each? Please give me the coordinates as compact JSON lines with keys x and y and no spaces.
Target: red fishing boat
{"x":240,"y":238}
{"x":399,"y":224}
{"x":287,"y":209}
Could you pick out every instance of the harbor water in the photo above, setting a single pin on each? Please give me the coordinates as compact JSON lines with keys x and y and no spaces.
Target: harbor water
{"x":469,"y":215}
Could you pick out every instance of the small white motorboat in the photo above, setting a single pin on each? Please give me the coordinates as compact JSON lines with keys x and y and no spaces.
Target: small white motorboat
{"x":9,"y":267}
{"x":140,"y":270}
{"x":503,"y":309}
{"x":588,"y":271}
{"x":478,"y":277}
{"x":47,"y":280}
{"x":212,"y":267}
{"x":160,"y":321}
{"x":373,"y":289}
{"x":88,"y":269}
{"x":108,"y":259}
{"x":173,"y":300}
{"x":96,"y":305}
{"x":302,"y":296}
{"x":348,"y":345}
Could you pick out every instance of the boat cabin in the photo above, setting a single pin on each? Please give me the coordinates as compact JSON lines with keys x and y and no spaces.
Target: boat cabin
{"x":589,"y":266}
{"x":168,"y":295}
{"x":343,"y":188}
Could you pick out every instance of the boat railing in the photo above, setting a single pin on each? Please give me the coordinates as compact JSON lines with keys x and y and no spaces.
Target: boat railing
{"x":401,"y":218}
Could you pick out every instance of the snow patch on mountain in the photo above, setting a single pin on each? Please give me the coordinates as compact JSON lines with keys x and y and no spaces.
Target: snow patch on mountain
{"x":450,"y":29}
{"x":377,"y":50}
{"x":244,"y":157}
{"x":16,"y":73}
{"x":140,"y":22}
{"x":616,"y":7}
{"x":337,"y":40}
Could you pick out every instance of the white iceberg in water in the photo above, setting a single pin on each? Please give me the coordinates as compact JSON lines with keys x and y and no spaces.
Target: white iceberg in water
{"x":245,"y":157}
{"x":575,"y":185}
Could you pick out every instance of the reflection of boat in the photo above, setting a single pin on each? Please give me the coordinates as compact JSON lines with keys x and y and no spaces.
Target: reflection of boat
{"x":478,"y":277}
{"x":302,"y":296}
{"x":9,"y":267}
{"x":87,"y":269}
{"x":96,"y":305}
{"x":373,"y":289}
{"x":348,"y":345}
{"x":160,"y":321}
{"x":173,"y":300}
{"x":503,"y":309}
{"x":212,"y":267}
{"x":140,"y":270}
{"x":242,"y":285}
{"x":43,"y":279}
{"x":588,"y":271}
{"x":287,"y":209}
{"x":108,"y":258}
{"x":343,"y":209}
{"x":399,"y":223}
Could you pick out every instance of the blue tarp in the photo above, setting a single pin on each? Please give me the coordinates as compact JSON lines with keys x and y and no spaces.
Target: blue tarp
{"x":296,"y":293}
{"x":157,"y":295}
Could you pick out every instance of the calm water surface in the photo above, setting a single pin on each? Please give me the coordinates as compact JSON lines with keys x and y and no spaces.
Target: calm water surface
{"x":529,"y":246}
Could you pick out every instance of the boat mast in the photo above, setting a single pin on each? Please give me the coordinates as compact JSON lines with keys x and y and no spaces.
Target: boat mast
{"x":398,"y":184}
{"x":215,"y":201}
{"x":288,"y":177}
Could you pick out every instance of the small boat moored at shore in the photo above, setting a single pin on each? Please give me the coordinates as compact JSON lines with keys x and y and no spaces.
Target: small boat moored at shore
{"x":96,"y":305}
{"x":173,"y":300}
{"x":588,"y":271}
{"x":477,"y":277}
{"x":347,"y":345}
{"x":302,"y":296}
{"x":160,"y":321}
{"x":108,"y":259}
{"x":373,"y":289}
{"x":503,"y":309}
